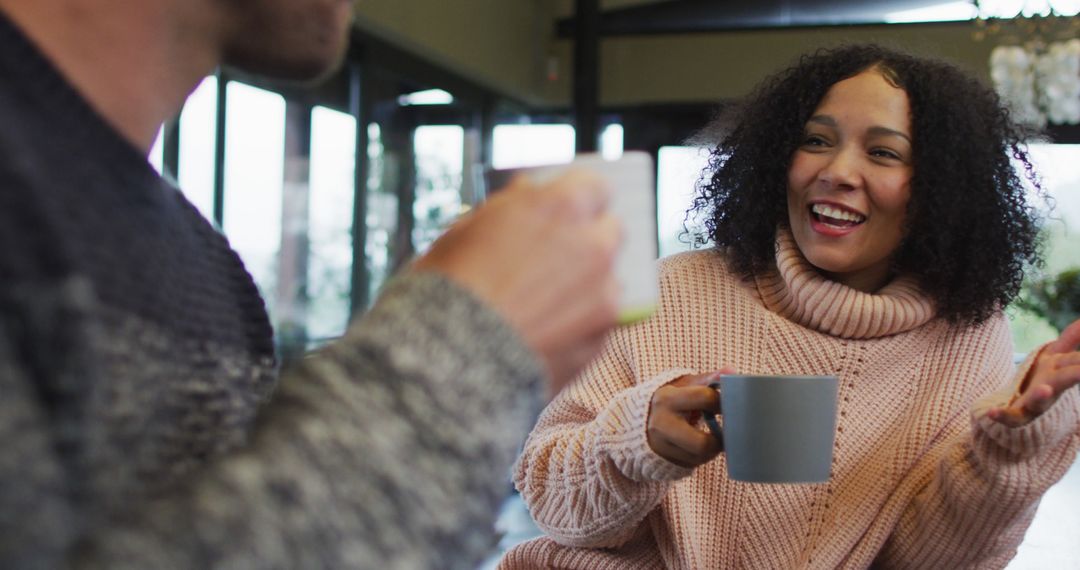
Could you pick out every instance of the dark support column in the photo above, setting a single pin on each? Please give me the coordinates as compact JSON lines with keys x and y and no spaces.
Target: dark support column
{"x":398,"y":148}
{"x":170,"y":143}
{"x":476,"y":155}
{"x":587,"y":74}
{"x":479,"y":130}
{"x":360,"y":109}
{"x":291,"y":296}
{"x":639,"y":134}
{"x":487,"y":131}
{"x":219,"y":152}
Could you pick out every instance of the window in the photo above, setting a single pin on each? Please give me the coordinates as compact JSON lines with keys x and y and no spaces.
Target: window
{"x":333,"y":168}
{"x":382,"y":206}
{"x":440,"y":151}
{"x":253,"y":195}
{"x":1055,"y":163}
{"x":254,"y":169}
{"x":516,"y":146}
{"x":1051,"y":540}
{"x":195,"y":171}
{"x":678,"y":170}
{"x":611,"y":141}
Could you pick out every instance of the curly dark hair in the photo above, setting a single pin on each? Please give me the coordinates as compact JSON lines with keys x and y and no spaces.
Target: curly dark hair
{"x":970,"y":231}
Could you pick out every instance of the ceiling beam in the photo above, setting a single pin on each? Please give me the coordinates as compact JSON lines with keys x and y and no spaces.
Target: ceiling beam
{"x":696,"y":16}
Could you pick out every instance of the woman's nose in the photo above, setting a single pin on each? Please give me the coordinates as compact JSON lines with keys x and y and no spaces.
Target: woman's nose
{"x":842,"y":170}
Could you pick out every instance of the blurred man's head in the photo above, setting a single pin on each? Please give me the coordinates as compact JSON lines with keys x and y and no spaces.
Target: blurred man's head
{"x":288,"y":39}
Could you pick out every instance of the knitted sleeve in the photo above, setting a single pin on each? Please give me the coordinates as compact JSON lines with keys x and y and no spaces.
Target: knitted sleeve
{"x":390,"y":449}
{"x":980,"y":487}
{"x":587,"y":472}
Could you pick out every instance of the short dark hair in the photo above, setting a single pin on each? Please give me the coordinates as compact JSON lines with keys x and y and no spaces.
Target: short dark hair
{"x":970,"y":231}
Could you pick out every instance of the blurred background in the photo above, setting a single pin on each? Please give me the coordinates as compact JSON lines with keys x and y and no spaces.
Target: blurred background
{"x":325,"y":190}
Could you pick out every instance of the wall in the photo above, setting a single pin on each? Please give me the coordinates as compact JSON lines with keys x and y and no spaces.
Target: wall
{"x":509,"y":46}
{"x":496,"y":43}
{"x":708,"y":67}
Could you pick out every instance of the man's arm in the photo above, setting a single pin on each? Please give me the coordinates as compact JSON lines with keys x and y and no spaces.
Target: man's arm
{"x":389,"y":449}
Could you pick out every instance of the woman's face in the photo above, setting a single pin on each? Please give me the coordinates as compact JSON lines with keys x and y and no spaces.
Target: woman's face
{"x":849,"y":181}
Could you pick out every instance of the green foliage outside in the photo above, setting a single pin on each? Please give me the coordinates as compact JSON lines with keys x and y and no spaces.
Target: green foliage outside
{"x":1055,"y":298}
{"x":1050,"y":300}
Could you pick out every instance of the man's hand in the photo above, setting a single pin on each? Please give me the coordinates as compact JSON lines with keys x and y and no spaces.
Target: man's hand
{"x":542,"y":256}
{"x":1056,"y":369}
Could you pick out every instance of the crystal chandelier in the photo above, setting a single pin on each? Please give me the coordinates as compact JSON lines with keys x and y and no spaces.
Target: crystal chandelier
{"x":1036,"y":64}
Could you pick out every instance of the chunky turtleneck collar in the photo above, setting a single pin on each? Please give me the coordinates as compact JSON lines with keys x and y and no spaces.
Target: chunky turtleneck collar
{"x":797,"y":291}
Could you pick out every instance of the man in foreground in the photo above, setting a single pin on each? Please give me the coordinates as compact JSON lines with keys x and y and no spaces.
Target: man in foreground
{"x":142,"y":420}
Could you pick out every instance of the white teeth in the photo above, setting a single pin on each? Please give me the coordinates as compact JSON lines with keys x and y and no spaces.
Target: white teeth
{"x":836,"y":213}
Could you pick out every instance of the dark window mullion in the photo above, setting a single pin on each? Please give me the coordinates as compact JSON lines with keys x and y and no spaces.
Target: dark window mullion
{"x":360,"y":108}
{"x":219,"y":151}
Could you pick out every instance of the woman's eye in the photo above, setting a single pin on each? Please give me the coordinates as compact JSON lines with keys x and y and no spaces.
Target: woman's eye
{"x":814,"y":140}
{"x":884,"y":153}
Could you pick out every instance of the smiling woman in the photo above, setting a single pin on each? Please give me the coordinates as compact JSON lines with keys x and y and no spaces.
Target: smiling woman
{"x":868,"y":225}
{"x":929,"y":130}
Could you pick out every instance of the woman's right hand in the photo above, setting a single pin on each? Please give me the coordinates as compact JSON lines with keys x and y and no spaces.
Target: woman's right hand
{"x":674,"y":412}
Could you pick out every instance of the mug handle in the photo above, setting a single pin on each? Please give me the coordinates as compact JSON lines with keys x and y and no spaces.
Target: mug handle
{"x":710,"y":418}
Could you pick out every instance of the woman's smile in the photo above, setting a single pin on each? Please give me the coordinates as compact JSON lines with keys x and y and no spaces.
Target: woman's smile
{"x":834,"y":220}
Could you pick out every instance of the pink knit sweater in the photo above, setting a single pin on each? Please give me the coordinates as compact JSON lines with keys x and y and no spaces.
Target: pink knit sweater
{"x":921,"y":479}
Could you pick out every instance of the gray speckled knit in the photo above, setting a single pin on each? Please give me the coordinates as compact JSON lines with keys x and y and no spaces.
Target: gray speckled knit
{"x":142,"y":422}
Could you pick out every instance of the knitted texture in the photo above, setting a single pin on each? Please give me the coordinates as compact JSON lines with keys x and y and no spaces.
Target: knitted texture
{"x":142,"y":421}
{"x":920,"y":478}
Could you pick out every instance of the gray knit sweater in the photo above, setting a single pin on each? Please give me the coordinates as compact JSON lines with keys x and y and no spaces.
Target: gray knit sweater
{"x":142,"y":421}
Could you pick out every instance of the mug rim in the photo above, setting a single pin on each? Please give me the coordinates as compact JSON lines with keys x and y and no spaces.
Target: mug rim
{"x":783,"y":376}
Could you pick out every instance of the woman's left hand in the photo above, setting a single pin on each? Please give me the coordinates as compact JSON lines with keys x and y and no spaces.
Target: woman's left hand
{"x":1056,"y":369}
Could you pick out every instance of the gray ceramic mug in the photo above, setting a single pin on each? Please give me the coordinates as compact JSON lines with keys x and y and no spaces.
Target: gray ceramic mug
{"x":776,"y":429}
